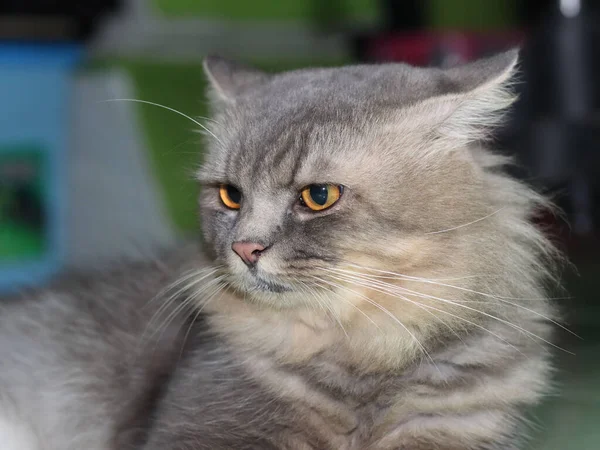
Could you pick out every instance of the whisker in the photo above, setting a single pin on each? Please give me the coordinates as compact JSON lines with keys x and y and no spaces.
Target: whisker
{"x":491,"y":316}
{"x":558,"y":324}
{"x":320,"y":300}
{"x":395,"y":319}
{"x":197,"y":276}
{"x":350,"y":303}
{"x":467,"y":224}
{"x":185,"y":304}
{"x":419,"y":305}
{"x":393,"y":277}
{"x":181,"y":144}
{"x":397,"y":295}
{"x":433,"y":281}
{"x":422,"y":295}
{"x":181,"y":306}
{"x":169,"y":109}
{"x":300,"y":285}
{"x":496,"y":297}
{"x":497,"y":336}
{"x":178,"y":308}
{"x":219,"y":290}
{"x":186,"y":276}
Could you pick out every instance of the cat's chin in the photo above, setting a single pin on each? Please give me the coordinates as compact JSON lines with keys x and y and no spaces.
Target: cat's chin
{"x":280,"y":297}
{"x":254,"y":283}
{"x":277,"y":300}
{"x":262,"y":290}
{"x":264,"y":285}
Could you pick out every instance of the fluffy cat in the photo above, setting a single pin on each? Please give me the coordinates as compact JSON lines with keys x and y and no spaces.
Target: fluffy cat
{"x":370,"y":279}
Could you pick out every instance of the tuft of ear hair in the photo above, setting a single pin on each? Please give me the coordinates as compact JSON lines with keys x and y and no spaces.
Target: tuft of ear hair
{"x":479,"y":103}
{"x":228,"y":79}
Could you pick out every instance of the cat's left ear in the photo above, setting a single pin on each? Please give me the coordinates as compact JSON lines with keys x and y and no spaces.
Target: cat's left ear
{"x":478,"y":97}
{"x":228,"y":78}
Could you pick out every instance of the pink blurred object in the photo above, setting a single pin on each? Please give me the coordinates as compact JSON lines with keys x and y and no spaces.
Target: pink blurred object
{"x":439,"y":48}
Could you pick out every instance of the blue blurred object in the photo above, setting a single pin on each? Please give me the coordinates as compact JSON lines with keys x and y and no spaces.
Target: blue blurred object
{"x":35,"y":85}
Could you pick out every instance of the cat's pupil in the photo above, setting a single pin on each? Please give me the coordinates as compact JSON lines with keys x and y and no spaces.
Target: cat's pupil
{"x":319,"y":193}
{"x":234,"y":194}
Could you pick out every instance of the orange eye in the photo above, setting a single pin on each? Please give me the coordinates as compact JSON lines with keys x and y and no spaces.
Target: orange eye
{"x":319,"y":197}
{"x":230,"y":196}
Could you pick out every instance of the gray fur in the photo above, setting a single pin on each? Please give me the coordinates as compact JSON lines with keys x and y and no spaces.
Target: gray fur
{"x":429,"y":227}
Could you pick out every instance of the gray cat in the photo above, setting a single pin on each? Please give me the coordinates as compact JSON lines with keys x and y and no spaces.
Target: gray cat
{"x":370,"y":279}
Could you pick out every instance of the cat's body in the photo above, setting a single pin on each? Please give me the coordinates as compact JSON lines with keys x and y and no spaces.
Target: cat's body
{"x":91,"y":383}
{"x":409,"y":314}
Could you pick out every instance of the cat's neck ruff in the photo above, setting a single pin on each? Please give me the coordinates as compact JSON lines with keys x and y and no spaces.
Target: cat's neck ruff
{"x":298,"y":336}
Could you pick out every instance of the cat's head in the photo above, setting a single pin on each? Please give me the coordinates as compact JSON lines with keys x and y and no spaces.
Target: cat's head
{"x":322,"y":188}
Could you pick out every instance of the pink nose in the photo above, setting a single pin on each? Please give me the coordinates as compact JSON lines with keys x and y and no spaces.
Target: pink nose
{"x":248,"y":251}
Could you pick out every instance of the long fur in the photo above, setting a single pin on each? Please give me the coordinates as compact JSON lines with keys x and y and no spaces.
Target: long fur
{"x":413,"y":314}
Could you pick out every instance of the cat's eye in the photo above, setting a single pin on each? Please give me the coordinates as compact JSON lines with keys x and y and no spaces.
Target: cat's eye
{"x":319,"y":197}
{"x":230,"y":196}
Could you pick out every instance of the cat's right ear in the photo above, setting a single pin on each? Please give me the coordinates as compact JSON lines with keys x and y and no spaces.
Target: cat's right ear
{"x":228,"y":79}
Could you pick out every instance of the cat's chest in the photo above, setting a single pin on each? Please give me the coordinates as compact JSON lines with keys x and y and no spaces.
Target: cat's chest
{"x":232,"y":399}
{"x":341,"y":408}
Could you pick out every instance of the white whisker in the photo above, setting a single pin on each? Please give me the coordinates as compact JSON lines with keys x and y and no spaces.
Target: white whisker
{"x":218,"y":290}
{"x":186,"y":303}
{"x":395,"y":294}
{"x":400,"y":276}
{"x":491,"y":316}
{"x":467,"y":224}
{"x":367,"y":284}
{"x":350,"y":303}
{"x":495,"y":297}
{"x":169,"y":109}
{"x":201,"y":273}
{"x":196,"y":276}
{"x":324,"y":304}
{"x":422,"y":295}
{"x":394,"y":318}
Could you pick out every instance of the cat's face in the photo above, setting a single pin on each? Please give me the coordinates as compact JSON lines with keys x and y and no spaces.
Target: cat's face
{"x":315,"y":176}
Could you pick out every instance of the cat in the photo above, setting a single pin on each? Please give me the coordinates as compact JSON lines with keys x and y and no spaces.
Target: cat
{"x":369,"y":278}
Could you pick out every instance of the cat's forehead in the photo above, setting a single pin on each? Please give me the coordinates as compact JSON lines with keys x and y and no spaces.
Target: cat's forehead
{"x":317,"y":119}
{"x":302,"y":109}
{"x":274,"y":151}
{"x":305,"y":115}
{"x":365,"y":87}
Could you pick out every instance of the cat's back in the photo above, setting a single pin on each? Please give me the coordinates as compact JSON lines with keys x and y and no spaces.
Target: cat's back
{"x":85,"y":355}
{"x":79,"y":308}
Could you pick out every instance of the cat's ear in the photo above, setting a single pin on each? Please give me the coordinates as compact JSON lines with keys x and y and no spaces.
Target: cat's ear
{"x":228,"y":79}
{"x":479,"y":96}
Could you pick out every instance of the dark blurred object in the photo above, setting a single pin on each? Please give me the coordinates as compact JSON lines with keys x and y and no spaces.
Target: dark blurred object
{"x":52,"y":20}
{"x":403,"y":15}
{"x":422,"y":32}
{"x":555,"y":126}
{"x":395,"y":15}
{"x":559,"y":118}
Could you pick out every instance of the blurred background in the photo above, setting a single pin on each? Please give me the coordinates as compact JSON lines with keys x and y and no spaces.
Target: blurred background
{"x":87,"y":175}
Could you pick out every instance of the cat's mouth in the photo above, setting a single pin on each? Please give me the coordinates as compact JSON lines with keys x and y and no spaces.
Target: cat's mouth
{"x":260,"y":282}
